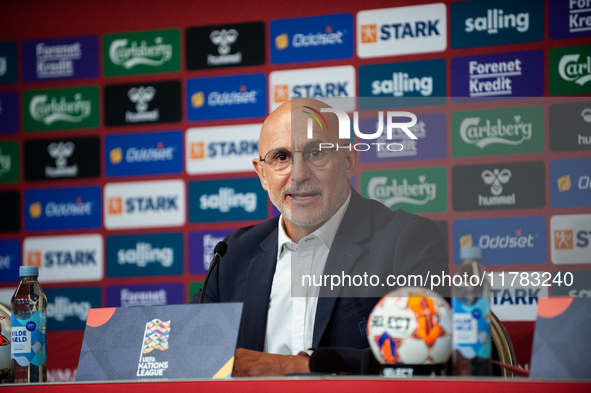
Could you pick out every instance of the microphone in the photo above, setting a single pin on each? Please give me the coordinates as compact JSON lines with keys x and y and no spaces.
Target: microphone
{"x":218,"y":252}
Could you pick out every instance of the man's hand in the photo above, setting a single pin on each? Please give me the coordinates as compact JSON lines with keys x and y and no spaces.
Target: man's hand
{"x":249,"y":363}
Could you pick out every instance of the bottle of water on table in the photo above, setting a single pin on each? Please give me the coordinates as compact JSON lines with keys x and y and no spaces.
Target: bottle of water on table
{"x":29,"y":320}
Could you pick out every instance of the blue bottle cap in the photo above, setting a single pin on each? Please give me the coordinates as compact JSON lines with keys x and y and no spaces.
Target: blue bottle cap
{"x":470,"y":253}
{"x":28,"y":271}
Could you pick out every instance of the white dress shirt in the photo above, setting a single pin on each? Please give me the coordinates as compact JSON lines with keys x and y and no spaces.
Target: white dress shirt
{"x":290,"y":320}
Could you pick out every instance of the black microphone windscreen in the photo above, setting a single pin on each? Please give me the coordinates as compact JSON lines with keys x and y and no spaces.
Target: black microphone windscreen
{"x":221,"y":248}
{"x":327,"y":360}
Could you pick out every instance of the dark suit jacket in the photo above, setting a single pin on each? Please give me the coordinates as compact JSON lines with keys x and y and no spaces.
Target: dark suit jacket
{"x":369,"y":237}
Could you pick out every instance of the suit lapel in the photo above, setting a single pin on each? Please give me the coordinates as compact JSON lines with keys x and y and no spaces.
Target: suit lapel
{"x":256,"y":301}
{"x":343,"y":254}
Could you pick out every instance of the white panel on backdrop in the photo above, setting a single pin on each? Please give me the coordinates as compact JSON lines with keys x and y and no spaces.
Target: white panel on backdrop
{"x":65,"y":258}
{"x":319,"y":83}
{"x":221,"y":149}
{"x":512,"y":301}
{"x":144,"y":204}
{"x":571,"y":238}
{"x":402,"y":30}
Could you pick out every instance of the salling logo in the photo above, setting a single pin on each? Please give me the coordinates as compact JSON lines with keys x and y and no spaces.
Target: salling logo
{"x":61,"y":151}
{"x":299,"y":40}
{"x":56,"y":61}
{"x":402,"y":83}
{"x":144,"y":254}
{"x":497,"y":19}
{"x":141,"y":96}
{"x":215,"y":98}
{"x":223,"y":39}
{"x":498,"y":74}
{"x":3,"y":67}
{"x":494,"y":132}
{"x":128,"y":55}
{"x":227,"y":198}
{"x":62,"y":307}
{"x":131,"y":298}
{"x":4,"y":163}
{"x":62,"y":209}
{"x":496,"y":179}
{"x":406,"y":192}
{"x":59,"y":110}
{"x":143,"y":154}
{"x":571,"y":69}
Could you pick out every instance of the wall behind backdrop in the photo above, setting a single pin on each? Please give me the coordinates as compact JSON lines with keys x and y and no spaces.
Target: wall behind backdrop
{"x":127,"y":129}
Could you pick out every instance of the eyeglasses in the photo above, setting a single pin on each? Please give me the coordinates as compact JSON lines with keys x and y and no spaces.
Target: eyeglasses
{"x":279,"y":160}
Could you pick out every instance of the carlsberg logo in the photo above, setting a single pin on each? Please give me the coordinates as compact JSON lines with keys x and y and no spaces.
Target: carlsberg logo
{"x":404,"y":192}
{"x":128,"y":54}
{"x":483,"y":133}
{"x":49,"y":110}
{"x":573,"y":68}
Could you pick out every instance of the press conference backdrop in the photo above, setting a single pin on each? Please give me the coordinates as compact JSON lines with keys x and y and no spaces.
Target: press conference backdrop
{"x":127,"y":131}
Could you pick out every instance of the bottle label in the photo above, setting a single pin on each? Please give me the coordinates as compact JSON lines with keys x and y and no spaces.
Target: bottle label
{"x":471,"y":328}
{"x":28,"y":339}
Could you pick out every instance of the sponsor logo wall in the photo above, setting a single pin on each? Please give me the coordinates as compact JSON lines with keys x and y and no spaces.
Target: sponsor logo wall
{"x":122,"y":167}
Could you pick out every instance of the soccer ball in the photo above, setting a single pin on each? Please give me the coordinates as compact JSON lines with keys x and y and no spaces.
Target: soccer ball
{"x":411,"y":326}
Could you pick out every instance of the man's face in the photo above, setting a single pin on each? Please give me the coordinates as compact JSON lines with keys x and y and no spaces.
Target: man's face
{"x":307,"y":196}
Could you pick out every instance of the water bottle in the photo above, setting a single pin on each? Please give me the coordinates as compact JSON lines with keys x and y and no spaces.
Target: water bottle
{"x":471,"y":316}
{"x":29,"y":320}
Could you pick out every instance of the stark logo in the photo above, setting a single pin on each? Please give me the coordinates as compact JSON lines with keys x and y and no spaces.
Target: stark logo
{"x":563,"y":239}
{"x":496,"y":179}
{"x":197,"y":151}
{"x":223,"y":39}
{"x":34,"y":258}
{"x":369,"y":34}
{"x":281,"y":93}
{"x":116,"y":206}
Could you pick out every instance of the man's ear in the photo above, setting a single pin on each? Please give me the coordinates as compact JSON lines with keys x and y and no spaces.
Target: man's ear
{"x":258,"y":167}
{"x":351,"y":160}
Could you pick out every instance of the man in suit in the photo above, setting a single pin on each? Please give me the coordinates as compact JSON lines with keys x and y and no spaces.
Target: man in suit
{"x":325,"y":228}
